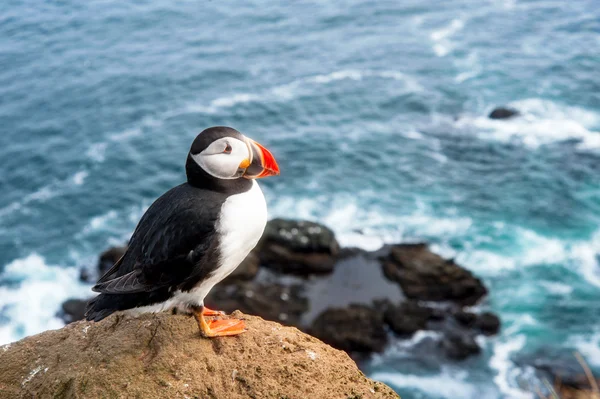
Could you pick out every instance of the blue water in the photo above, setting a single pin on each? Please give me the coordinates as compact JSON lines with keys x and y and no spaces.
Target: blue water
{"x":376,"y":114}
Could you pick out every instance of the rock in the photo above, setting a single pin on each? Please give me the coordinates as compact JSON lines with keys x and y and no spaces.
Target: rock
{"x":298,"y":247}
{"x":488,"y":323}
{"x":108,"y":258}
{"x":408,"y":317}
{"x":458,"y":346}
{"x":567,"y":392}
{"x":73,"y":310}
{"x":424,"y":275}
{"x":272,"y":301}
{"x":246,"y":271}
{"x":163,"y":356}
{"x":503,"y":113}
{"x":354,"y":329}
{"x":559,"y":366}
{"x":465,"y":318}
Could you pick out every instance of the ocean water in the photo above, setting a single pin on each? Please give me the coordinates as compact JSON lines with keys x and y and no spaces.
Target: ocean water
{"x":376,"y":112}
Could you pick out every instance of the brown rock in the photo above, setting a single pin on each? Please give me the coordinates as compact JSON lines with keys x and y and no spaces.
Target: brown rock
{"x":163,"y":356}
{"x":426,"y":276}
{"x":298,"y":247}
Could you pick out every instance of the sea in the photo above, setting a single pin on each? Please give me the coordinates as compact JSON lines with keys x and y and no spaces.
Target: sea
{"x":377,"y":114}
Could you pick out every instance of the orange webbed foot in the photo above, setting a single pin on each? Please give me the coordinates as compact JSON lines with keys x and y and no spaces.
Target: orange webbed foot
{"x":218,"y":328}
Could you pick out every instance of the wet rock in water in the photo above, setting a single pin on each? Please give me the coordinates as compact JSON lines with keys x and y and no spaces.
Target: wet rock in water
{"x":246,"y":271}
{"x":298,"y":247}
{"x":408,"y":317}
{"x":271,"y":301}
{"x":465,"y":318}
{"x":488,"y":323}
{"x":459,"y":345}
{"x":108,"y":258}
{"x":503,"y":113}
{"x":73,"y":310}
{"x":354,"y":329}
{"x":426,"y":276}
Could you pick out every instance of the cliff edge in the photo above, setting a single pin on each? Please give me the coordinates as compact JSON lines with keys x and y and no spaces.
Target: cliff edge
{"x":163,"y":356}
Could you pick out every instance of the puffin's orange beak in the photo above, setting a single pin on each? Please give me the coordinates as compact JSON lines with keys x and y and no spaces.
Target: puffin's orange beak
{"x":263,"y":163}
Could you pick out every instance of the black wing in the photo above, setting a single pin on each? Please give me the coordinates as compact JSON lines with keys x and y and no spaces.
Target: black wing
{"x":169,"y":245}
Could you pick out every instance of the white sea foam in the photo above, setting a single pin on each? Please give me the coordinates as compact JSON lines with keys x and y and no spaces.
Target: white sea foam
{"x":79,"y":177}
{"x":506,"y":372}
{"x":441,"y":37}
{"x":291,"y":90}
{"x":556,"y":288}
{"x":34,"y":295}
{"x":588,"y":346}
{"x":446,"y":384}
{"x":97,"y":152}
{"x":541,"y":122}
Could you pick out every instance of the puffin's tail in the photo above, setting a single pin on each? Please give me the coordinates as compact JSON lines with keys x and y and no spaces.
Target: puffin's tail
{"x":98,"y":308}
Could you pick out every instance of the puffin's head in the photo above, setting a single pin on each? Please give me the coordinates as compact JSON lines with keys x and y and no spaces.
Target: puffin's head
{"x":225,"y":153}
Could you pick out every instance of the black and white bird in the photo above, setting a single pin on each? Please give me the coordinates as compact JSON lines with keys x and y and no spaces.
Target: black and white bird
{"x":194,"y":235}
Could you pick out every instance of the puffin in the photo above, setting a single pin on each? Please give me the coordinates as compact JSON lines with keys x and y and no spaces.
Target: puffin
{"x":193,"y":236}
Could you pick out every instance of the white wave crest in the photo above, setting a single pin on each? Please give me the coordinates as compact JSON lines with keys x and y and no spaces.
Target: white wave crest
{"x":506,"y":370}
{"x":446,"y":384}
{"x":541,"y":122}
{"x":291,"y":90}
{"x":442,"y":44}
{"x":34,"y":295}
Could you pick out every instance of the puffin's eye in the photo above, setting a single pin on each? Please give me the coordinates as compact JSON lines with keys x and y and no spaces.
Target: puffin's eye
{"x":227,"y":149}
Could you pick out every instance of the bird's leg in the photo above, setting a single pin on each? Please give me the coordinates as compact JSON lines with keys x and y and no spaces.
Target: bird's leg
{"x":209,"y":312}
{"x":217,"y":328}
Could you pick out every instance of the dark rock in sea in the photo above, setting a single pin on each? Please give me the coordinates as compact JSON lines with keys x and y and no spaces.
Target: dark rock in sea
{"x":73,"y":310}
{"x":272,"y":301}
{"x":503,"y":113}
{"x":86,"y":276}
{"x":408,"y":317}
{"x":426,"y":276}
{"x":465,"y":318}
{"x":488,"y":323}
{"x":298,"y":247}
{"x":355,"y":329}
{"x":458,"y":345}
{"x":246,"y":271}
{"x":108,"y":258}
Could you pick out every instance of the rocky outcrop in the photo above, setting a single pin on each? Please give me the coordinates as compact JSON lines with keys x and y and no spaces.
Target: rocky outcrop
{"x":163,"y":356}
{"x":503,"y":113}
{"x":298,"y":247}
{"x":426,"y":276}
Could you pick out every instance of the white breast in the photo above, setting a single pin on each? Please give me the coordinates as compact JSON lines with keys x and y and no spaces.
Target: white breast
{"x":242,"y":223}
